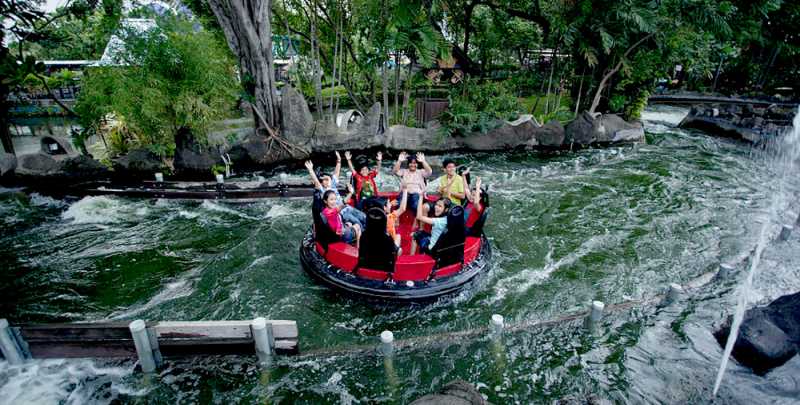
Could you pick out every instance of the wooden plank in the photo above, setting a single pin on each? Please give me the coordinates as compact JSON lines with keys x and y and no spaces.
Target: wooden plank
{"x":59,"y":350}
{"x":281,"y":329}
{"x":76,"y":332}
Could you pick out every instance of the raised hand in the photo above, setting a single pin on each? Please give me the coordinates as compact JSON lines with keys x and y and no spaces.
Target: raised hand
{"x":403,"y":156}
{"x":309,"y":165}
{"x":338,"y":158}
{"x":347,"y":155}
{"x":420,"y":157}
{"x":350,"y":188}
{"x":465,"y":172}
{"x":380,"y":156}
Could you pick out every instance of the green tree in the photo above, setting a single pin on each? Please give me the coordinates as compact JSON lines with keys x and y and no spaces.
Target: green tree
{"x":170,"y":80}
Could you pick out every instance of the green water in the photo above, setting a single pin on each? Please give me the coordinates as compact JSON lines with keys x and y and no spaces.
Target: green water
{"x":611,"y":224}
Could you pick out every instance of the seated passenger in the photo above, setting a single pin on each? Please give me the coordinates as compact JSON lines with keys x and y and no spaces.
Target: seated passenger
{"x":348,"y":232}
{"x":364,"y":178}
{"x":438,"y":222}
{"x":378,"y":250}
{"x":325,"y":182}
{"x":323,"y":234}
{"x":450,"y":184}
{"x":478,"y":202}
{"x":393,"y":217}
{"x":412,"y":177}
{"x":449,"y":249}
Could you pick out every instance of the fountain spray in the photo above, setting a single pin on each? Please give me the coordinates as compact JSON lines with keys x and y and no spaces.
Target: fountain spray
{"x":787,"y":152}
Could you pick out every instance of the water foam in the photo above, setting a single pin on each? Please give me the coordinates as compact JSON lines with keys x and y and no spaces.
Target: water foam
{"x":787,"y":152}
{"x":64,"y":382}
{"x":94,"y":210}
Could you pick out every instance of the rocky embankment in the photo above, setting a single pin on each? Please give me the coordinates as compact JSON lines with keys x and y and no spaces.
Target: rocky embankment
{"x":306,"y":136}
{"x":769,"y":336}
{"x":744,"y":122}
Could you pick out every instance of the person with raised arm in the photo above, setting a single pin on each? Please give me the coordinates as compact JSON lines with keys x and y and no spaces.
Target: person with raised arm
{"x":364,"y":178}
{"x":347,"y":231}
{"x":393,"y":217}
{"x":413,"y":177}
{"x":327,"y":182}
{"x":478,"y":201}
{"x":426,"y":241}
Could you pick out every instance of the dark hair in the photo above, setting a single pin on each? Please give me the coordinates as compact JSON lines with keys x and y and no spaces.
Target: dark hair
{"x":447,"y":162}
{"x":484,"y":197}
{"x":361,"y":162}
{"x":447,"y":205}
{"x":412,"y":158}
{"x":320,"y":175}
{"x":325,"y":196}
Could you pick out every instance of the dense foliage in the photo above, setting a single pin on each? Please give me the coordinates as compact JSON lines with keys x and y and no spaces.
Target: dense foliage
{"x":168,"y":80}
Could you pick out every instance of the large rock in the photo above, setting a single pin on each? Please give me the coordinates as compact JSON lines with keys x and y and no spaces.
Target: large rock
{"x":139,"y":162}
{"x":366,"y":134}
{"x":8,"y":163}
{"x":456,"y":392}
{"x":401,"y":137}
{"x":551,"y":135}
{"x":605,"y":129}
{"x":83,"y":167}
{"x":257,"y":150}
{"x":56,"y":145}
{"x":297,"y":123}
{"x":769,"y":336}
{"x":507,"y":136}
{"x":748,"y":123}
{"x":37,"y":164}
{"x":193,"y":158}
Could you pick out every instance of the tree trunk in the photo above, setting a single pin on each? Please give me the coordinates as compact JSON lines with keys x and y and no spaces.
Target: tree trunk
{"x":716,"y":74}
{"x":385,"y":88}
{"x":315,"y":61}
{"x":336,"y":51}
{"x":580,"y":90}
{"x":765,"y":74}
{"x":396,"y":85}
{"x":599,"y":92}
{"x":407,"y":94}
{"x":248,"y":31}
{"x":5,"y":134}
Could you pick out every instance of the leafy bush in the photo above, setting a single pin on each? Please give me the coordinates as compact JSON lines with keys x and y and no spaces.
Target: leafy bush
{"x":166,"y":80}
{"x":479,"y":107}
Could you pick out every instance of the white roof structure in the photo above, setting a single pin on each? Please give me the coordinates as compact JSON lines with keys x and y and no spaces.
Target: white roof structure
{"x":115,"y":53}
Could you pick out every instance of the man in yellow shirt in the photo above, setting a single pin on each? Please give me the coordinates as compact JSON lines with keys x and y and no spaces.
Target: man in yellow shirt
{"x":450,"y":184}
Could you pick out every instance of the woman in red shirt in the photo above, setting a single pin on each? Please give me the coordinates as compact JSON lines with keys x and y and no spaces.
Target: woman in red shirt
{"x":349,"y":233}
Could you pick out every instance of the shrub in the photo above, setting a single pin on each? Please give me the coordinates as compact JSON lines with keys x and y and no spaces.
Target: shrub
{"x":479,"y":107}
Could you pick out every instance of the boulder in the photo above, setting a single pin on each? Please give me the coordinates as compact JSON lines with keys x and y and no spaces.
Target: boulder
{"x":255,"y":151}
{"x":8,"y":163}
{"x":401,"y":137}
{"x":191,"y":157}
{"x":138,"y":162}
{"x":456,"y":392}
{"x":769,"y":336}
{"x":582,"y":129}
{"x":83,"y":167}
{"x":297,"y":122}
{"x":507,"y":136}
{"x":551,"y":135}
{"x":37,"y":164}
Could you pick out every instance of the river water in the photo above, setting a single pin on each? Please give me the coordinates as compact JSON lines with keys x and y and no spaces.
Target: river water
{"x":567,"y":228}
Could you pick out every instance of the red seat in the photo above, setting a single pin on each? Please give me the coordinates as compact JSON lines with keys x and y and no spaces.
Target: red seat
{"x":447,"y":270}
{"x":413,"y":268}
{"x":472,"y":246}
{"x":320,"y":249}
{"x":372,"y":274}
{"x":343,"y":256}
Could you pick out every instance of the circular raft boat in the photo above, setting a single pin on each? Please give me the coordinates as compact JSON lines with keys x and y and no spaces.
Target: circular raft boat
{"x":413,"y":278}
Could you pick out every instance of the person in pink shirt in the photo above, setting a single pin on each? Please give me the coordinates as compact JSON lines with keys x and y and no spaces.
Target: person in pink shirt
{"x":350,"y":233}
{"x":413,"y":177}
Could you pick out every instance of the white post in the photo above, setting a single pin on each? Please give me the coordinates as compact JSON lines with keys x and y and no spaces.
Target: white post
{"x":496,"y":324}
{"x":8,"y":344}
{"x":283,"y":177}
{"x":220,"y":178}
{"x":159,"y":177}
{"x":786,"y":231}
{"x":725,"y":271}
{"x":674,"y":294}
{"x":596,"y":313}
{"x":387,"y":342}
{"x":142,"y":342}
{"x":262,"y":335}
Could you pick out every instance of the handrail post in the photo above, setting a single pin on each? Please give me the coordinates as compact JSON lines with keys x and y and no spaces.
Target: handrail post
{"x":263,"y":338}
{"x":141,"y":340}
{"x":8,"y":344}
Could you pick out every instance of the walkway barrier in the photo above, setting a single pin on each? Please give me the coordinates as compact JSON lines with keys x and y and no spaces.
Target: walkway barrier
{"x":149,"y":342}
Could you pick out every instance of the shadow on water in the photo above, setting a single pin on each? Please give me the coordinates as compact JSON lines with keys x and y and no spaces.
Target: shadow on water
{"x":601,"y":224}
